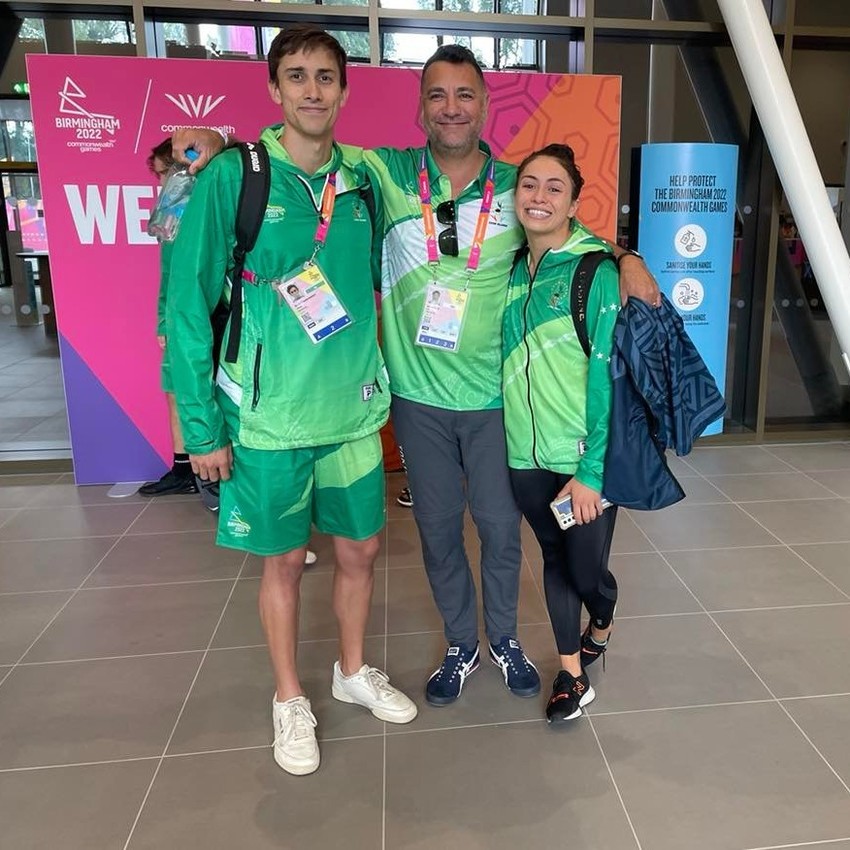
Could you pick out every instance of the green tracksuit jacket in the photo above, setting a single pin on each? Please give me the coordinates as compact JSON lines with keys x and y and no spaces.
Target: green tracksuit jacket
{"x":291,"y":392}
{"x":557,"y":401}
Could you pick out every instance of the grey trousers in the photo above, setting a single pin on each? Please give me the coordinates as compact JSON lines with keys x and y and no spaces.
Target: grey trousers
{"x":453,"y":458}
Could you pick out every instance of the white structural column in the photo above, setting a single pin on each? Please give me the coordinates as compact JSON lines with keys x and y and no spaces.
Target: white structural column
{"x":755,"y":46}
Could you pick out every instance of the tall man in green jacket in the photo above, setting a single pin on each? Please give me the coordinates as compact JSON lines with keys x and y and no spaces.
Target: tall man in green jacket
{"x":291,"y":428}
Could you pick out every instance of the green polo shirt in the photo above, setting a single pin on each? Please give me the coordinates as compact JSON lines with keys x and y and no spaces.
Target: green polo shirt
{"x":470,"y":378}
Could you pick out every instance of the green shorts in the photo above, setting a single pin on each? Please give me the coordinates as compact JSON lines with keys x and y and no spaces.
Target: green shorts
{"x":274,"y":497}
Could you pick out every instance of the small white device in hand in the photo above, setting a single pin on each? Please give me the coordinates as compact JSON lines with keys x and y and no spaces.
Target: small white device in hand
{"x":563,"y":510}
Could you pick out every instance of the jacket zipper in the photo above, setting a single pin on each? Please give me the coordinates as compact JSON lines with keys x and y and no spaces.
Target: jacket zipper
{"x":528,"y":361}
{"x":257,"y":358}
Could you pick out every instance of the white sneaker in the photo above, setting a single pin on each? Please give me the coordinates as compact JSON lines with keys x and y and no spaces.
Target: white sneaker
{"x":371,"y":688}
{"x":310,"y":558}
{"x":295,"y":746}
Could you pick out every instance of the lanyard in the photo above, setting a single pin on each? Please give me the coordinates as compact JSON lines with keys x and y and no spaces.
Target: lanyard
{"x":328,"y":201}
{"x":327,"y":209}
{"x":430,"y":227}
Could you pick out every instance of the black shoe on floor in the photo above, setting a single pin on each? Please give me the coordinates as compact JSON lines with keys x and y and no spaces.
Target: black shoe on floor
{"x":591,"y":650}
{"x":404,"y":498}
{"x":170,"y":485}
{"x":569,"y":695}
{"x":209,"y":493}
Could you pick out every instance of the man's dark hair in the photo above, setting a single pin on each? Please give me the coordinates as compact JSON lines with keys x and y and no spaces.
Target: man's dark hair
{"x":300,"y":37}
{"x":161,"y":151}
{"x":565,"y":156}
{"x":456,"y":54}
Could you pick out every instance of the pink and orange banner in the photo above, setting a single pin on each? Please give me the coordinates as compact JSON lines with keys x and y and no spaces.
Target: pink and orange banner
{"x":96,"y":120}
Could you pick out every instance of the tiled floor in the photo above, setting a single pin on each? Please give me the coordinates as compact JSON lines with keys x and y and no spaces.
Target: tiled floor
{"x":135,"y":689}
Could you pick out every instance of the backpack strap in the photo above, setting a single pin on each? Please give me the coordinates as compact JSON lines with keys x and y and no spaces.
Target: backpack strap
{"x":580,"y":291}
{"x":253,"y":198}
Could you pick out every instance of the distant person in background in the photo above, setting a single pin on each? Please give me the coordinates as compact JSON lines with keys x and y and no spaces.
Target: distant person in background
{"x":179,"y":480}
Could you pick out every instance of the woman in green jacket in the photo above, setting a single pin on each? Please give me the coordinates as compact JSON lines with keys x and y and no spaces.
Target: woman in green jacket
{"x":557,"y":404}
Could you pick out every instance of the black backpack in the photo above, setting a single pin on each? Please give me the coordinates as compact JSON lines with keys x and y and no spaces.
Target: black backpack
{"x":250,"y":211}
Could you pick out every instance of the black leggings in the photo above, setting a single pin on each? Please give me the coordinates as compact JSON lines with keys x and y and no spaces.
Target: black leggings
{"x":575,"y":562}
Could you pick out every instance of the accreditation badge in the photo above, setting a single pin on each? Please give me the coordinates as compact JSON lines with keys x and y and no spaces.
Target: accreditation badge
{"x":442,"y":317}
{"x":312,"y":299}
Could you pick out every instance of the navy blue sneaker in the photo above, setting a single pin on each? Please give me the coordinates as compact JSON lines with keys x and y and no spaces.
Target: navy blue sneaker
{"x":520,"y":674}
{"x":447,"y":680}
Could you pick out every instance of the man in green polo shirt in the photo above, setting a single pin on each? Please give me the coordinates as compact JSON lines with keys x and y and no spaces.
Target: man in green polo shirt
{"x":450,"y":228}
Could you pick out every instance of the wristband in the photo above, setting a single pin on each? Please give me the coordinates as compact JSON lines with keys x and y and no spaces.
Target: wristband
{"x":628,"y":252}
{"x":221,"y":133}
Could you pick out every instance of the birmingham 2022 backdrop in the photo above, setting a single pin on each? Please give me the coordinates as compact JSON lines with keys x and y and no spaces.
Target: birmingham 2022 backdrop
{"x":96,"y":119}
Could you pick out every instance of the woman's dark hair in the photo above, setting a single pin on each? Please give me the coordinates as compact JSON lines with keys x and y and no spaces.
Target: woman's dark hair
{"x":161,"y":151}
{"x":565,"y":156}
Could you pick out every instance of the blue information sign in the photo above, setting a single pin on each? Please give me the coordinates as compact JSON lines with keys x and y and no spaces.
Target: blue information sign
{"x":686,"y":235}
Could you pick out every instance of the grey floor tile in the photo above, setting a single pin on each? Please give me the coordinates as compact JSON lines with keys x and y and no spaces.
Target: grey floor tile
{"x":155,"y":558}
{"x":686,"y":526}
{"x":402,"y":545}
{"x":758,"y":577}
{"x":699,"y":491}
{"x":133,"y":621}
{"x":779,"y":644}
{"x":22,"y":617}
{"x":91,"y":711}
{"x":831,"y":559}
{"x":6,"y":515}
{"x":680,"y":467}
{"x":412,"y":658}
{"x":648,"y":586}
{"x":243,"y":799}
{"x":18,"y":491}
{"x":177,"y":515}
{"x":779,"y":486}
{"x":826,"y":721}
{"x":727,"y":460}
{"x":49,"y":564}
{"x":410,"y":604}
{"x":65,"y":492}
{"x":660,"y":662}
{"x":836,"y":482}
{"x":71,"y":521}
{"x":230,"y":705}
{"x":722,"y":778}
{"x":628,"y":538}
{"x":241,"y":623}
{"x":815,"y":457}
{"x":75,"y":808}
{"x":567,"y":798}
{"x":411,"y":608}
{"x":813,"y":521}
